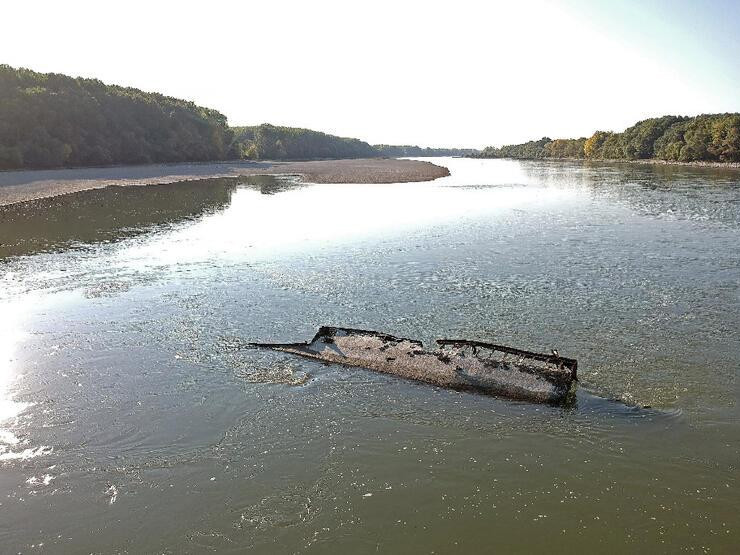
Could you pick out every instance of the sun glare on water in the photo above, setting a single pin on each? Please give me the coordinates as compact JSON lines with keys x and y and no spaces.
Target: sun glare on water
{"x":11,"y":337}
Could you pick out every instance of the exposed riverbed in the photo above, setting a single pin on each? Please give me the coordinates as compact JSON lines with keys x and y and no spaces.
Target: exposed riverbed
{"x":25,"y":186}
{"x":130,"y":419}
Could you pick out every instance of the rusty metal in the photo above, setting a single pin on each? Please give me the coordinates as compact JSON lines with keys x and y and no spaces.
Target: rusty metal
{"x":569,"y":364}
{"x":458,"y":364}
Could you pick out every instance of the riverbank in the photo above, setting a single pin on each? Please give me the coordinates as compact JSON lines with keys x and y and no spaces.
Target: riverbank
{"x":694,"y":164}
{"x":22,"y":186}
{"x":650,"y":161}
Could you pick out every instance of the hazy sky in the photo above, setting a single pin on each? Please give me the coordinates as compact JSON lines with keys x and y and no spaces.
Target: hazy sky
{"x":452,"y":73}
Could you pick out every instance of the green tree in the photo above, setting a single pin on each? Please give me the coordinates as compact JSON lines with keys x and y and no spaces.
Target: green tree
{"x":51,"y":120}
{"x":709,"y":137}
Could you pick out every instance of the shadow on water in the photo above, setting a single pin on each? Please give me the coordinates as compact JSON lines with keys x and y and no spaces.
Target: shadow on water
{"x":271,"y":185}
{"x":113,"y":213}
{"x":586,"y":403}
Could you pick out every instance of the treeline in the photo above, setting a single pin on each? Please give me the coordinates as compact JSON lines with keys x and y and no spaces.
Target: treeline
{"x":51,"y":120}
{"x":410,"y":150}
{"x":705,"y":138}
{"x":271,"y":142}
{"x":544,"y":148}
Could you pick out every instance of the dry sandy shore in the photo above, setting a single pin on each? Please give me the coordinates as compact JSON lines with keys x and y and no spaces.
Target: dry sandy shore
{"x":21,"y":186}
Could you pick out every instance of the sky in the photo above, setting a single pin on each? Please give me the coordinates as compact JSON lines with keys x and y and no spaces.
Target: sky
{"x":433,"y":73}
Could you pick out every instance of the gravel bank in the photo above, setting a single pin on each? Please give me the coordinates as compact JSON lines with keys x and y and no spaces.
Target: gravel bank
{"x":21,"y":186}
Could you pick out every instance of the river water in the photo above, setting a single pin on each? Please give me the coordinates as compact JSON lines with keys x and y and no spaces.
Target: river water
{"x":132,"y":421}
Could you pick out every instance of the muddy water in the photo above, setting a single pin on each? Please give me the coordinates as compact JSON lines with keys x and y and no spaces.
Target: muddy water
{"x":131,"y":421}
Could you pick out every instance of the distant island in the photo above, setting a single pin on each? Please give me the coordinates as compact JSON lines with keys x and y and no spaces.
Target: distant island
{"x":55,"y":121}
{"x":704,"y":138}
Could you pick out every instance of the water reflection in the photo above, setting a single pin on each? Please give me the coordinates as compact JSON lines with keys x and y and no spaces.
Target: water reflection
{"x":257,"y":226}
{"x":105,"y":214}
{"x":169,"y":438}
{"x":12,"y":335}
{"x":666,"y":191}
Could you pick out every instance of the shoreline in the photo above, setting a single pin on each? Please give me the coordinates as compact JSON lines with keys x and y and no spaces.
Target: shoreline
{"x":692,"y":164}
{"x":658,"y":162}
{"x":644,"y":162}
{"x":28,"y":185}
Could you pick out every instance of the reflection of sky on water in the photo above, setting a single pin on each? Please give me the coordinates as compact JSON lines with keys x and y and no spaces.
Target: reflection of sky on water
{"x":260,"y":226}
{"x":493,"y":198}
{"x":11,"y":338}
{"x":126,"y":343}
{"x":255,"y":226}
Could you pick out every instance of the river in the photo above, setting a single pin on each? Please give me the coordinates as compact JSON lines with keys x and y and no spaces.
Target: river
{"x":131,"y":420}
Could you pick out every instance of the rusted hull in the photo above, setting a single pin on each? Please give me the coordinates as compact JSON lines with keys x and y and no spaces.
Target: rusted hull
{"x":457,"y":364}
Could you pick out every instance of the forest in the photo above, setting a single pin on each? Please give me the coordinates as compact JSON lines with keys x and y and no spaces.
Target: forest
{"x":271,"y":142}
{"x":51,"y":120}
{"x":412,"y":150}
{"x":704,"y":138}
